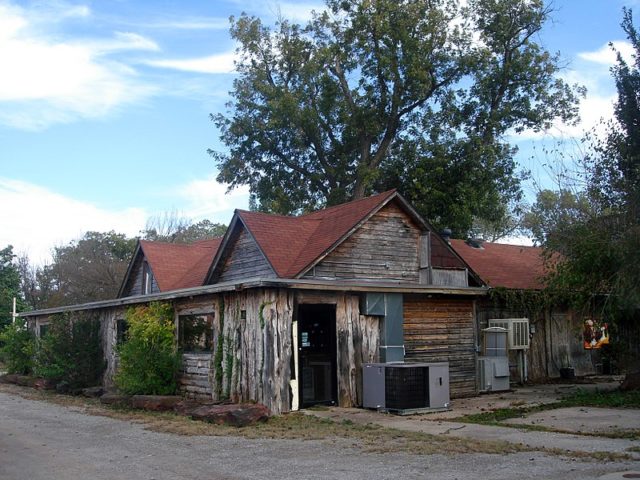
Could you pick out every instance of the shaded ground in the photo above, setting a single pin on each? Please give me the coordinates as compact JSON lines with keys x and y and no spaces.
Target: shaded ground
{"x":41,"y":440}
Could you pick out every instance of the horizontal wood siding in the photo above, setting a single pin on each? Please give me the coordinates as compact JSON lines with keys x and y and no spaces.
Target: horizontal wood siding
{"x":442,"y":330}
{"x":134,"y":285}
{"x":383,"y":248}
{"x":195,"y":377}
{"x":245,"y":259}
{"x":135,"y":282}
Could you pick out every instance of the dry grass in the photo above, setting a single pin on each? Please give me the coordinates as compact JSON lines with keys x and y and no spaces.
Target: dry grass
{"x":298,"y":426}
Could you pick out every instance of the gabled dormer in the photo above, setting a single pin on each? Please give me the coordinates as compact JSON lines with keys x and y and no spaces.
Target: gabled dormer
{"x":139,"y":279}
{"x":161,"y":267}
{"x":375,"y":239}
{"x":240,"y":256}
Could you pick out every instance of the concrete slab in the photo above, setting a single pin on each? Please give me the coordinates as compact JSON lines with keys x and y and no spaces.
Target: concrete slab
{"x":583,"y":419}
{"x":427,"y":424}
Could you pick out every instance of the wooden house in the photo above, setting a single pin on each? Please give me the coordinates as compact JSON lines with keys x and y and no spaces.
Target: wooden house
{"x":556,"y":332}
{"x":286,"y":310}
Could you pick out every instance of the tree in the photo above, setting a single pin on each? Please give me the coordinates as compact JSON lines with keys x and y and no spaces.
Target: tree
{"x":9,"y":285}
{"x":374,"y":94}
{"x":171,"y":227}
{"x":85,"y":270}
{"x":593,"y":232}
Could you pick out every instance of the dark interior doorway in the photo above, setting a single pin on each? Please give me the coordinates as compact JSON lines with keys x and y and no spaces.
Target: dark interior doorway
{"x":317,"y":347}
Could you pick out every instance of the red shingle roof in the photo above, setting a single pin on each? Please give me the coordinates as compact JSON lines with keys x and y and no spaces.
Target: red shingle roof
{"x":502,"y":265}
{"x":291,"y":244}
{"x":178,"y":266}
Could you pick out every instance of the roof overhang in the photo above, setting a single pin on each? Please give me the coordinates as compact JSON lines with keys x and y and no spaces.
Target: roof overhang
{"x":259,"y":282}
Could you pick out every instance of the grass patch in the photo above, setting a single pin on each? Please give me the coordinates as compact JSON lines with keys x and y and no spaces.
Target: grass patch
{"x":611,"y":399}
{"x":580,"y":398}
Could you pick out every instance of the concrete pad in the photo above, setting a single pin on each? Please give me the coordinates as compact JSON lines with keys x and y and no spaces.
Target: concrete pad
{"x":583,"y":419}
{"x":424,"y":424}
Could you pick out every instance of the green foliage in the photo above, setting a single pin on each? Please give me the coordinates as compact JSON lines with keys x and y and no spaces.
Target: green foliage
{"x":85,"y":270}
{"x":218,"y":355}
{"x":149,"y":361}
{"x":172,"y":228}
{"x":9,"y":285}
{"x":375,"y":95}
{"x":17,"y":346}
{"x":591,"y":231}
{"x":71,"y":350}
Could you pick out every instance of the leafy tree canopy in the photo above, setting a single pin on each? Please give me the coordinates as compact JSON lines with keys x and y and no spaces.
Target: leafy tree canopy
{"x":596,"y":225}
{"x":375,"y":94}
{"x":171,"y":227}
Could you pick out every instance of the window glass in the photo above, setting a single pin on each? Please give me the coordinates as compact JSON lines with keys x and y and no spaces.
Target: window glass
{"x":121,"y":331}
{"x":195,"y":332}
{"x":42,"y":330}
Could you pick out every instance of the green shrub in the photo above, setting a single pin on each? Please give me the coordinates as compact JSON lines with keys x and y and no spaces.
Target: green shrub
{"x":71,"y":351}
{"x":149,"y":361}
{"x":17,"y":347}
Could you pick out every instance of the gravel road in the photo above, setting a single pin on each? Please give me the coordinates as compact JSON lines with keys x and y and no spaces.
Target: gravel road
{"x":43,"y":441}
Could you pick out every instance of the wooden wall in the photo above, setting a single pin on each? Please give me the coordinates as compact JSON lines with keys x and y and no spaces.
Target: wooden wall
{"x":245,"y":259}
{"x":556,"y":343}
{"x":384,"y":248}
{"x":134,"y":284}
{"x":442,"y":330}
{"x":358,"y":341}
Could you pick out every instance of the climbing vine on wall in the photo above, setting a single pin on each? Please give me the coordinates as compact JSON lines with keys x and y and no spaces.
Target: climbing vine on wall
{"x":218,"y":356}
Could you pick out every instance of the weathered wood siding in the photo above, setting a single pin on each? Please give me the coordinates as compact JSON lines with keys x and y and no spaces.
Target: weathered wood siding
{"x":245,"y":259}
{"x":358,"y":342}
{"x":135,"y":282}
{"x":556,"y":343}
{"x":195,"y":377}
{"x":108,"y":322}
{"x":442,"y":330}
{"x":383,"y":248}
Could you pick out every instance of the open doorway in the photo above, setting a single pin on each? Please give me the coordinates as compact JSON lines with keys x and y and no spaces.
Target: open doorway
{"x":317,"y":359}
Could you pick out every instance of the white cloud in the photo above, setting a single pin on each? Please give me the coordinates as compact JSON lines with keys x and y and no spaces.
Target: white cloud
{"x":605,"y":55}
{"x":35,"y":219}
{"x":196,"y":23}
{"x":206,"y":198}
{"x":219,"y":63}
{"x":48,"y":80}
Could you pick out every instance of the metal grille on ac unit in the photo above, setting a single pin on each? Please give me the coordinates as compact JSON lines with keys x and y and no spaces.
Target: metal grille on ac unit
{"x":518,"y":331}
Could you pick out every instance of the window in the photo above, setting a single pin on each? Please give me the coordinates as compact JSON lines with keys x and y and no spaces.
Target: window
{"x":195,"y":332}
{"x":43,"y":329}
{"x":147,"y":279}
{"x":121,"y":331}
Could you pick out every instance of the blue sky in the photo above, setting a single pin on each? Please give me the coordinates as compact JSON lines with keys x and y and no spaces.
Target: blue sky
{"x":104,"y":107}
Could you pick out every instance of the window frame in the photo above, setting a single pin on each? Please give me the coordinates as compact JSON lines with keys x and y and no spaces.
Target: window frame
{"x":209,"y":345}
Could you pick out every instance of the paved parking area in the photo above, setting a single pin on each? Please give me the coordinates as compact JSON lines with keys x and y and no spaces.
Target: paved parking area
{"x":44,"y":441}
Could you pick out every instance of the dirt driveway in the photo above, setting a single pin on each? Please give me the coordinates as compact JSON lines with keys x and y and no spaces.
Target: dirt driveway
{"x":40,"y":440}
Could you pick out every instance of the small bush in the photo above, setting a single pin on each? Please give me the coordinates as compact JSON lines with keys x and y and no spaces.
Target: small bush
{"x":71,"y":351}
{"x":17,"y":347}
{"x":149,"y":361}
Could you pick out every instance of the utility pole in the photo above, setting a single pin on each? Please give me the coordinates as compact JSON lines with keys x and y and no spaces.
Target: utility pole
{"x":13,"y":312}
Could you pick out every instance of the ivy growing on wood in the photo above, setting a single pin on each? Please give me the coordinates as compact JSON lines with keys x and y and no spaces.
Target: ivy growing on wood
{"x":218,"y":356}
